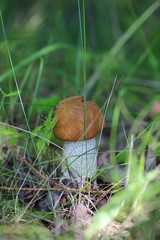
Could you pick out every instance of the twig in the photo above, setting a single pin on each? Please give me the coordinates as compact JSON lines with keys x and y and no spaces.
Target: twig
{"x":51,"y":189}
{"x":31,"y":189}
{"x":60,"y":187}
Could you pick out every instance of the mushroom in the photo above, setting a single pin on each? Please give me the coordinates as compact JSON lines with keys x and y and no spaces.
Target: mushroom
{"x":78,"y":124}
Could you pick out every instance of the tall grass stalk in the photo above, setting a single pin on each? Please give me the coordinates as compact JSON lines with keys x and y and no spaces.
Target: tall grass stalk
{"x":13,"y":72}
{"x":36,"y":87}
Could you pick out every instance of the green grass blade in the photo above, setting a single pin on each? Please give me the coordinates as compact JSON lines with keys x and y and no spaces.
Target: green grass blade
{"x":152,"y":58}
{"x":114,"y":129}
{"x":40,"y":53}
{"x":120,"y":43}
{"x":37,"y":87}
{"x":13,"y":71}
{"x":132,"y":195}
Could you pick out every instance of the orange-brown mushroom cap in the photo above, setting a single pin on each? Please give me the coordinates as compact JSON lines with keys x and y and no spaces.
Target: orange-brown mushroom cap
{"x":71,"y":125}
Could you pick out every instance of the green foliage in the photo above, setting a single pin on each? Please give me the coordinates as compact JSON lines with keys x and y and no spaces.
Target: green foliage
{"x":4,"y":96}
{"x":45,"y":131}
{"x":9,"y":134}
{"x":25,"y":232}
{"x":134,"y":196}
{"x":107,"y":58}
{"x":32,"y":58}
{"x":43,"y":105}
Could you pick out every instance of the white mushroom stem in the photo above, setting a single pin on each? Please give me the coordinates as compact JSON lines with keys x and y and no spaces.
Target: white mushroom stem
{"x":80,"y":160}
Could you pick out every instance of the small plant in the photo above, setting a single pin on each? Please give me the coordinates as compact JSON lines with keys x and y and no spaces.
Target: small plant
{"x":45,"y":131}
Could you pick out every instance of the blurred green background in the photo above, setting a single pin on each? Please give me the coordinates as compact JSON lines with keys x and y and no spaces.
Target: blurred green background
{"x":45,"y":40}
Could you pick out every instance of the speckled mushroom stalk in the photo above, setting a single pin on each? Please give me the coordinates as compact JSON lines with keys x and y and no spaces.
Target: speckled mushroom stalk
{"x":81,"y":162}
{"x":79,"y":137}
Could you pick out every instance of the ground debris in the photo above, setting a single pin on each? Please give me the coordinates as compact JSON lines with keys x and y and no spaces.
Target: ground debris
{"x":80,"y":215}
